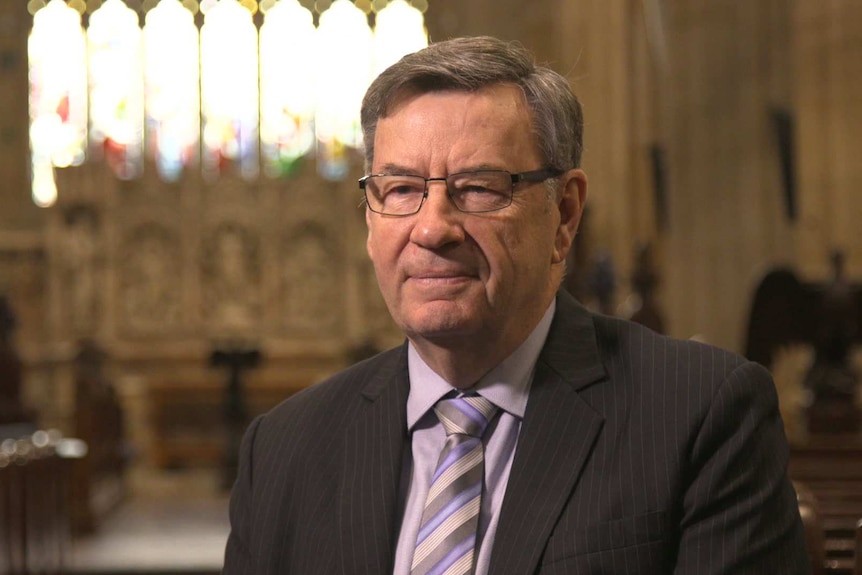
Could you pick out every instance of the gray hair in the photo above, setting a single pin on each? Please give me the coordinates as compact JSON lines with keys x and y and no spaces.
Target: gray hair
{"x":470,"y":64}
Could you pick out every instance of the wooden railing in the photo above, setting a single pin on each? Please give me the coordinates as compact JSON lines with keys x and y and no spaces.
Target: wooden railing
{"x":34,"y":504}
{"x":830,"y":471}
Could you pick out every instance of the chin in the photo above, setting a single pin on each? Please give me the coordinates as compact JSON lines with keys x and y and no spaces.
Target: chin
{"x":440,"y":320}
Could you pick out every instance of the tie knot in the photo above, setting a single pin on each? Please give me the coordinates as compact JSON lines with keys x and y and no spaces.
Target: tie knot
{"x":465,"y":415}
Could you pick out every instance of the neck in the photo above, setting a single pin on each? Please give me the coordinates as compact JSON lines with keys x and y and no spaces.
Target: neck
{"x":464,"y":359}
{"x":459,"y":366}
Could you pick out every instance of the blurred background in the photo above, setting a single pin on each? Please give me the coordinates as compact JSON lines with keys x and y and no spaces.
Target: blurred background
{"x":182,"y":246}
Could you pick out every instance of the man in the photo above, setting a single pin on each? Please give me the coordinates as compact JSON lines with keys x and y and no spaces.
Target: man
{"x":567,"y":442}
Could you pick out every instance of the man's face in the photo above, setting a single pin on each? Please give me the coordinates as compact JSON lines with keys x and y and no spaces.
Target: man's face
{"x":449,"y":276}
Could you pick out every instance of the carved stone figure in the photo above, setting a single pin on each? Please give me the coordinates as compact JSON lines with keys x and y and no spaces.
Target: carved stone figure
{"x":827,"y":316}
{"x":150,"y":279}
{"x":231,"y":277}
{"x":82,"y":262}
{"x":311,"y":283}
{"x":832,"y":378}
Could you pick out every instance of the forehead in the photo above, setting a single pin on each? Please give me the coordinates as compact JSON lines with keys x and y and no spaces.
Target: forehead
{"x":492,"y":125}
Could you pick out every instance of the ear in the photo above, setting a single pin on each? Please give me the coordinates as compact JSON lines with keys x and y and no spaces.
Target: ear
{"x":571,"y":205}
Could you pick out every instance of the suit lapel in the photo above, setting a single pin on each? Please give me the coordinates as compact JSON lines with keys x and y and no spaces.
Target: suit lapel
{"x":555,"y":441}
{"x":368,"y":495}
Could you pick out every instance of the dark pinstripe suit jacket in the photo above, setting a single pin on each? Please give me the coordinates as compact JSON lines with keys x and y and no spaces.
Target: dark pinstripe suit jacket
{"x":637,"y":454}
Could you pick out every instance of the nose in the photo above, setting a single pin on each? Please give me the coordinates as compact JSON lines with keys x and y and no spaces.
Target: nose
{"x":438,"y":222}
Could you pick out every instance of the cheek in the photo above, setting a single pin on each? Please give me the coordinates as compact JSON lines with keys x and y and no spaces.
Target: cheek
{"x":369,"y":238}
{"x":502,"y":259}
{"x":384,"y":246}
{"x":378,"y":255}
{"x":526,"y":250}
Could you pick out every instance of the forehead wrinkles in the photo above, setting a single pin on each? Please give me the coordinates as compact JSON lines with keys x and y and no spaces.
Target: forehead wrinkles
{"x":408,"y":147}
{"x":457,"y":130}
{"x":415,"y":133}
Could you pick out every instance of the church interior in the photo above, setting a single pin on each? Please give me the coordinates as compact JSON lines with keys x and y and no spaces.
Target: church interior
{"x":175,"y":262}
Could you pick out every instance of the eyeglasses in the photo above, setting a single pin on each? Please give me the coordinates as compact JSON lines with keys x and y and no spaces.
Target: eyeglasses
{"x":471,"y":192}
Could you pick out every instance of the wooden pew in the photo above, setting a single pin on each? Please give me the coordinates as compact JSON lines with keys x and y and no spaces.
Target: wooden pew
{"x":12,"y":526}
{"x":809,"y":510}
{"x":831,"y":468}
{"x":34,"y":523}
{"x":857,"y":570}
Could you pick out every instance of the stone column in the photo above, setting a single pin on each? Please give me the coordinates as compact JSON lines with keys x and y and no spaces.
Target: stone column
{"x":17,"y":211}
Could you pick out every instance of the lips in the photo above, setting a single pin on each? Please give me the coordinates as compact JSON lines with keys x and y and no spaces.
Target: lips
{"x":441,"y":275}
{"x":430,"y":268}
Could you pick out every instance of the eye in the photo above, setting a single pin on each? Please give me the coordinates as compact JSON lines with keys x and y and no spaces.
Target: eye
{"x":479,"y":183}
{"x":397,"y":186}
{"x":474,"y":188}
{"x":403,"y":188}
{"x":481,"y":191}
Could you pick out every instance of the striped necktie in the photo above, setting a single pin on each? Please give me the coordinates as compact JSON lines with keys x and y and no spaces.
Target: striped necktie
{"x":447,"y":534}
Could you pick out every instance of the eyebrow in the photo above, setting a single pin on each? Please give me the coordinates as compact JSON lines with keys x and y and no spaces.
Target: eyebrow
{"x":483,"y":168}
{"x":398,"y":170}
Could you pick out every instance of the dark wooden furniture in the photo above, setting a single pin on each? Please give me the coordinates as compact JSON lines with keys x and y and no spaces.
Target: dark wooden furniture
{"x":98,"y":477}
{"x":34,"y":519}
{"x":187,"y":419}
{"x":858,"y":569}
{"x":812,"y":520}
{"x":830,"y":467}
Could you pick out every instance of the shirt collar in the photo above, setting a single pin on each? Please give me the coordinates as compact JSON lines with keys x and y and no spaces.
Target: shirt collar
{"x":506,"y":386}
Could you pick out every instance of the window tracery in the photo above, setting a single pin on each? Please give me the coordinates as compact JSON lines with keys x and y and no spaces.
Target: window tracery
{"x":257,"y":86}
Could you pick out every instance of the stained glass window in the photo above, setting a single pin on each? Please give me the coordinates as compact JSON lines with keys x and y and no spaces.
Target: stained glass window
{"x":171,"y":77}
{"x":344,"y":49}
{"x":58,"y":96}
{"x":229,"y":90}
{"x":226,"y":98}
{"x":116,"y":88}
{"x":287,"y":98}
{"x":399,"y":30}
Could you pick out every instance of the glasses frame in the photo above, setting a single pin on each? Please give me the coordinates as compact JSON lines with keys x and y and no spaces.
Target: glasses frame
{"x":533,"y":177}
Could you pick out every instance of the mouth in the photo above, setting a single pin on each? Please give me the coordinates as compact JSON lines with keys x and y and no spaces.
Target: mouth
{"x":441,"y":278}
{"x":441,"y":274}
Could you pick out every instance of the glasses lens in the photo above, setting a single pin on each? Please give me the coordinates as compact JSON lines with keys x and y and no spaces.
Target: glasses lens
{"x":484,"y":191}
{"x":394,"y":195}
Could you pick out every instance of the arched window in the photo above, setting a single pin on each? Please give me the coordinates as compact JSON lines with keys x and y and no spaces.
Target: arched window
{"x":229,"y":89}
{"x":172,"y":84}
{"x":116,"y":88}
{"x":58,"y":96}
{"x":258,"y":86}
{"x":288,"y":61}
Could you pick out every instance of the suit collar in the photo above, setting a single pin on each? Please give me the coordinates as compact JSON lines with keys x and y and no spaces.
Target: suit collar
{"x":371,"y":473}
{"x":555,"y":441}
{"x":390,"y":372}
{"x":557,"y":425}
{"x":572,"y":348}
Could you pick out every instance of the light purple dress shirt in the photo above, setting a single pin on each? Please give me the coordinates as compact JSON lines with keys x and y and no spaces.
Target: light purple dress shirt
{"x":507,"y":386}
